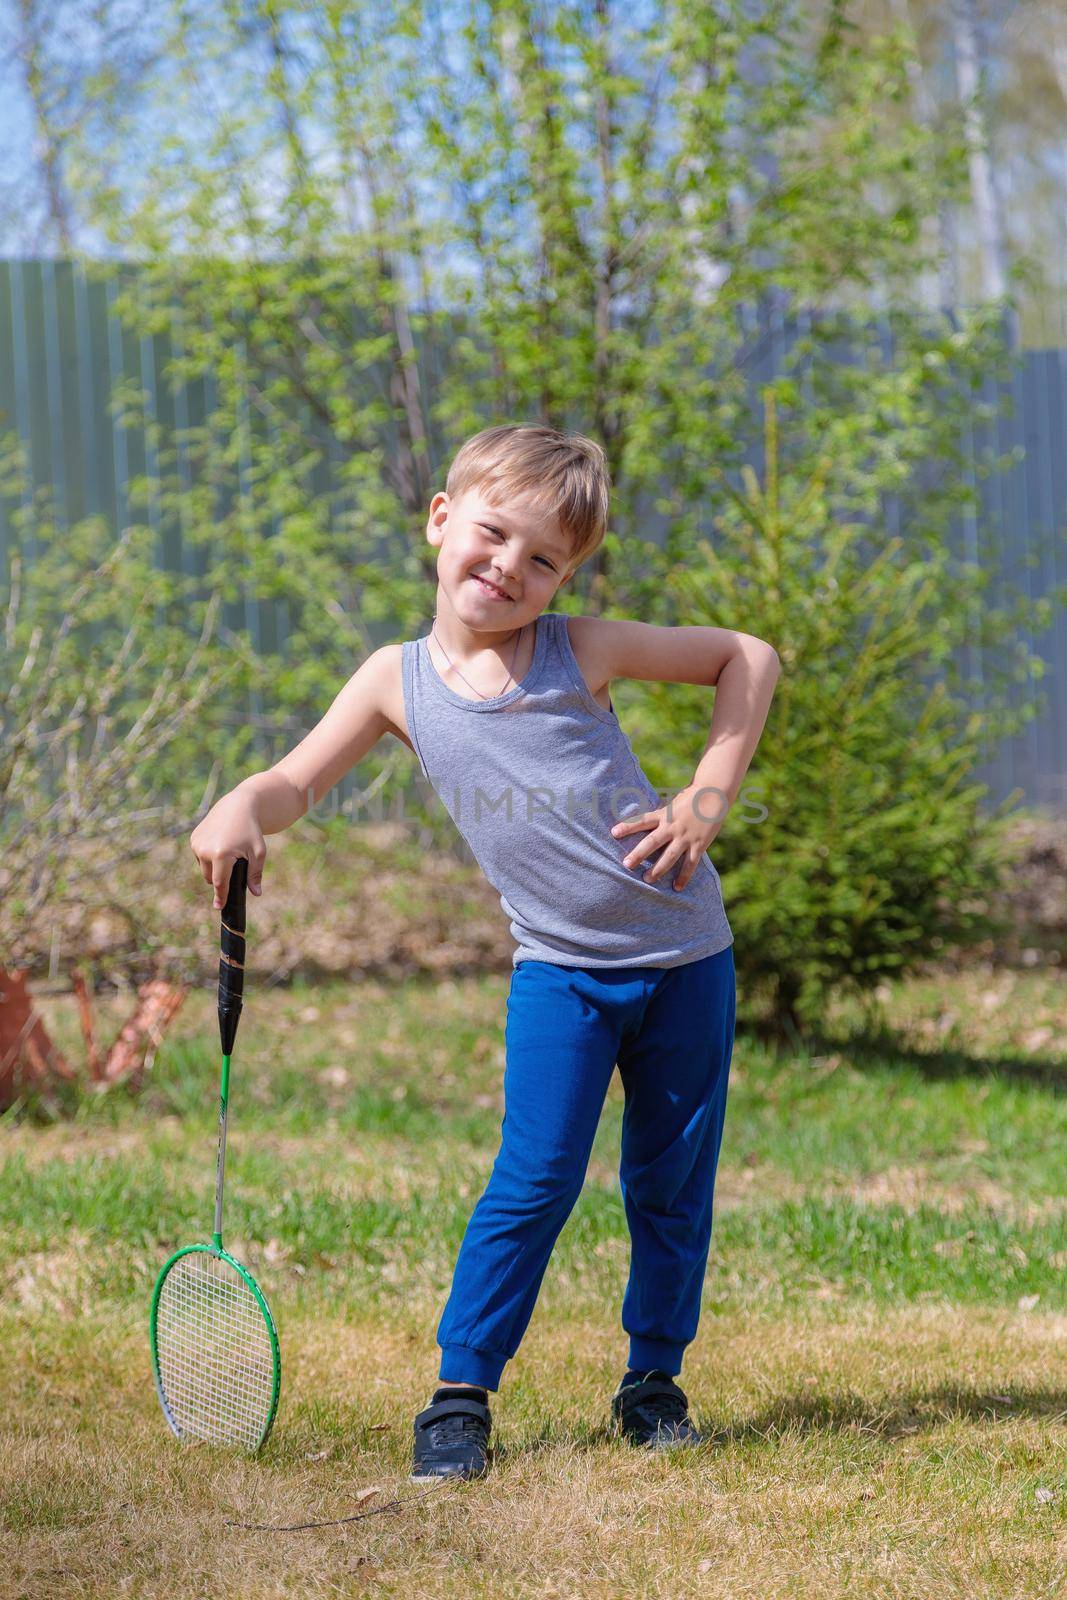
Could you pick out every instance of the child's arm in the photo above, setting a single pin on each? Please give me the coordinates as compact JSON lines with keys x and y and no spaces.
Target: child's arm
{"x":270,"y":801}
{"x":744,"y":670}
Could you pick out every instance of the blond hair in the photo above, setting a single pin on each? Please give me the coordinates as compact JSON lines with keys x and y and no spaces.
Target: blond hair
{"x":563,"y":473}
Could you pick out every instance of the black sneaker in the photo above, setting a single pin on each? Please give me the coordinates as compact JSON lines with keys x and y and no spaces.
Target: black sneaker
{"x":654,"y":1413}
{"x":451,"y":1439}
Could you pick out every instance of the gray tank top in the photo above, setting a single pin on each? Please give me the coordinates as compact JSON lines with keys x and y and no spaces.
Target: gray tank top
{"x":534,"y":780}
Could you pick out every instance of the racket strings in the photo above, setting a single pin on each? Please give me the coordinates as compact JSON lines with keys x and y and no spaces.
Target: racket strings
{"x":215,"y":1353}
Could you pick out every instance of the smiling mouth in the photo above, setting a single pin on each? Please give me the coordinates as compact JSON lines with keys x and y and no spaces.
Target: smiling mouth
{"x":490,"y":588}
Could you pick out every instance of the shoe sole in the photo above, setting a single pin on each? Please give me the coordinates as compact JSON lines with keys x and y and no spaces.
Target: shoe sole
{"x":660,"y":1443}
{"x":439,"y":1477}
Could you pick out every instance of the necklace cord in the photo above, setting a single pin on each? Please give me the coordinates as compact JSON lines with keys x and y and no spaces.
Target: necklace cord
{"x":478,"y":692}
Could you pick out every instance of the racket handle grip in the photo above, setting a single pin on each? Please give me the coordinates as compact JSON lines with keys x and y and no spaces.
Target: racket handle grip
{"x":232,"y":956}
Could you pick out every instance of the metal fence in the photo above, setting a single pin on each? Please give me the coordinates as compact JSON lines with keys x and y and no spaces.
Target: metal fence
{"x":63,"y":347}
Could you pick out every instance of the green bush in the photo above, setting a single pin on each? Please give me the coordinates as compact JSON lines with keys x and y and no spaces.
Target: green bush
{"x":859,"y":845}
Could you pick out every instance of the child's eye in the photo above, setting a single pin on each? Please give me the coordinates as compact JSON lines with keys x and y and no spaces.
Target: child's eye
{"x":543,"y":559}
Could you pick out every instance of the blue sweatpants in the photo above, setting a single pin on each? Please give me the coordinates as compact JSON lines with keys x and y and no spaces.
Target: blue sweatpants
{"x":670,"y":1030}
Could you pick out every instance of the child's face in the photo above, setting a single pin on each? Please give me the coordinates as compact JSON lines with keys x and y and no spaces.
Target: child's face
{"x":513,"y":546}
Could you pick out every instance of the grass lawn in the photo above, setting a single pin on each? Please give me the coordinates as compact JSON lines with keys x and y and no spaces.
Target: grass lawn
{"x":881,"y":1360}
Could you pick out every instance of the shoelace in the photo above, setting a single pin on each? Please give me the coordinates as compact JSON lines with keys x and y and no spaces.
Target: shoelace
{"x":664,"y":1407}
{"x":449,"y":1430}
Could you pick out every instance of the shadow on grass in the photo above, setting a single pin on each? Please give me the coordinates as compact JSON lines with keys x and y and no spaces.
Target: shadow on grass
{"x":915,"y":1412}
{"x":879,"y":1047}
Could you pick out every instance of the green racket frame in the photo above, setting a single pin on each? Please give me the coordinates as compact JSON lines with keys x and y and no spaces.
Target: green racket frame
{"x":222,"y":1255}
{"x":231,"y":993}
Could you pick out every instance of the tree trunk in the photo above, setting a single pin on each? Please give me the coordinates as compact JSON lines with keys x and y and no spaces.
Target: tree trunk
{"x":989,"y":223}
{"x":134,"y":1048}
{"x":937,"y":284}
{"x":29,"y":1058}
{"x":85,"y":1017}
{"x":27,"y":1054}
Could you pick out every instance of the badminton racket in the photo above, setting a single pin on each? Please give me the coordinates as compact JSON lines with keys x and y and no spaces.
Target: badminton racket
{"x":215,"y":1355}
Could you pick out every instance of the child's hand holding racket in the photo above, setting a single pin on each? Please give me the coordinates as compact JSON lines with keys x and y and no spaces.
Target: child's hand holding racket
{"x":230,"y":829}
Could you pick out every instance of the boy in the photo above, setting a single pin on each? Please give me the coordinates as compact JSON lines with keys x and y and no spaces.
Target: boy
{"x":507,"y":706}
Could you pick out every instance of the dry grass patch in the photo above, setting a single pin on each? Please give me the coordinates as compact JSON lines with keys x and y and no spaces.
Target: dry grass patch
{"x":909,"y":1447}
{"x":894,"y":1454}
